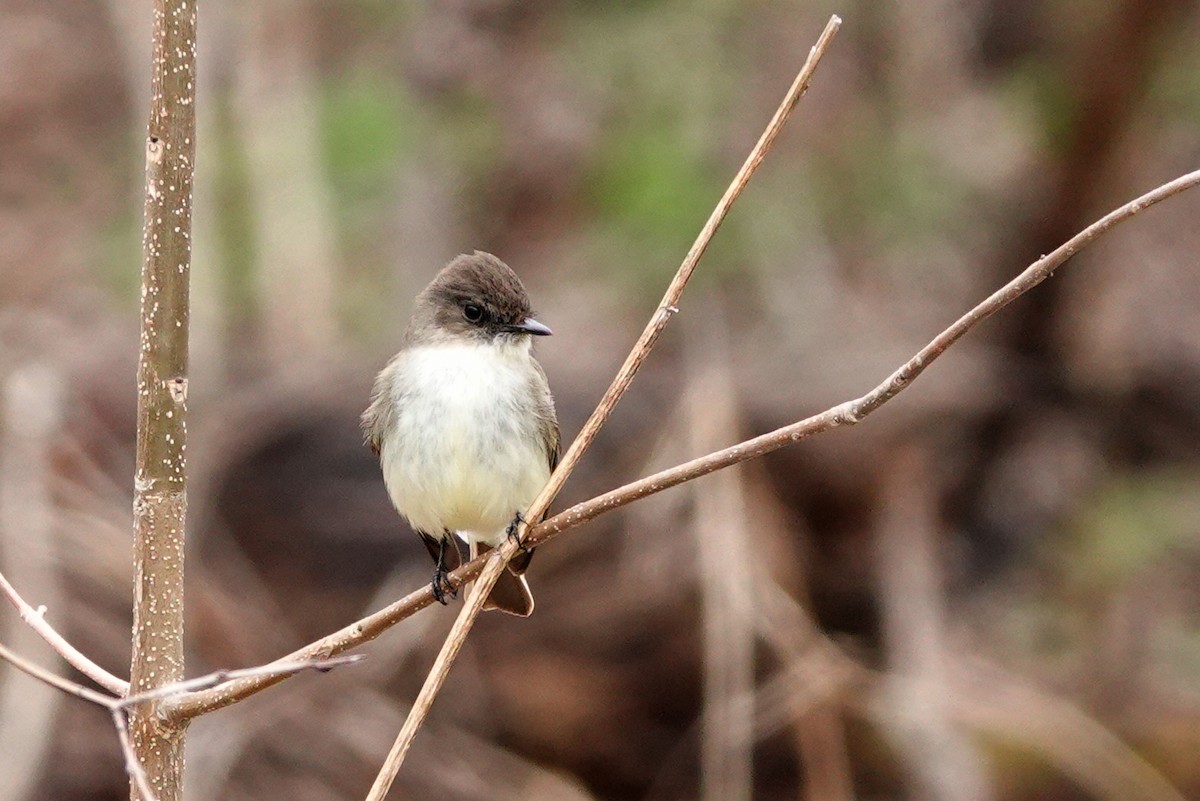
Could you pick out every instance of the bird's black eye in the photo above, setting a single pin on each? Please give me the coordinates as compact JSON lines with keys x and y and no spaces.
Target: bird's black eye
{"x":472,"y":313}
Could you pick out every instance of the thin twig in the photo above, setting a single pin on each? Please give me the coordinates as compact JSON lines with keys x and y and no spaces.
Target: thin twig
{"x":854,"y":411}
{"x":848,"y":413}
{"x":132,"y":766}
{"x":641,"y":350}
{"x":190,"y":705}
{"x":58,"y":682}
{"x":433,"y":681}
{"x":281,"y":669}
{"x":119,"y":707}
{"x":669,"y":305}
{"x":37,"y":621}
{"x":114,"y":705}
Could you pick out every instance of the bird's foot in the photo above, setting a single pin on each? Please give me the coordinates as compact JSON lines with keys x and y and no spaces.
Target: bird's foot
{"x":441,"y":579}
{"x":512,"y":529}
{"x":442,"y":586}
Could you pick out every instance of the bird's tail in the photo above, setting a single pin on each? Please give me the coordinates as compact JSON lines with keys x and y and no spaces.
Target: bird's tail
{"x":511,"y":591}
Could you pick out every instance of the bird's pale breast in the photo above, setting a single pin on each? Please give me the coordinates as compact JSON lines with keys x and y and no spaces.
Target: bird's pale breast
{"x":465,"y":453}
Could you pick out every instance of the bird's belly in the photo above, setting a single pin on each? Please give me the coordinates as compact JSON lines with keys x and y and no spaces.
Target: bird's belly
{"x":465,"y":454}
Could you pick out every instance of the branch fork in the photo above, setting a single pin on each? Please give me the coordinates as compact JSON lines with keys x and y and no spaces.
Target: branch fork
{"x":120,"y":706}
{"x":177,"y":702}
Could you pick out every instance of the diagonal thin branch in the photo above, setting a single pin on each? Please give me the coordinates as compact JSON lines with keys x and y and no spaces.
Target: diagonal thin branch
{"x":668,"y":306}
{"x":37,"y":621}
{"x":118,"y":707}
{"x":854,"y":411}
{"x":844,"y":414}
{"x":58,"y":682}
{"x":641,"y":350}
{"x":437,"y":674}
{"x":281,"y":669}
{"x":847,"y":413}
{"x":368,"y":628}
{"x":115,"y":706}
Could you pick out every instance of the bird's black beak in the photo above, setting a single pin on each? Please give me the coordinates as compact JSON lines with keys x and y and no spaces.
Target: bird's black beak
{"x":532,"y":326}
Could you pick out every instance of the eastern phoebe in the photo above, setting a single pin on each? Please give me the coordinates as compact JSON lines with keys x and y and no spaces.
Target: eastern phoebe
{"x":463,"y":421}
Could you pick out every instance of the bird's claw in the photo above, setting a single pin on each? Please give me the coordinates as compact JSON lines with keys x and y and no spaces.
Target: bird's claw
{"x":511,"y":531}
{"x":442,"y":586}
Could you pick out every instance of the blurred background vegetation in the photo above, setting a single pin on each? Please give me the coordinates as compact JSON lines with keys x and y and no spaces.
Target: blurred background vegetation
{"x":989,"y":590}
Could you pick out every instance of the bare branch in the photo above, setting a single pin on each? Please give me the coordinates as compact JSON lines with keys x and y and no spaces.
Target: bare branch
{"x":160,"y":499}
{"x":114,"y":705}
{"x":132,"y":766}
{"x":58,"y":682}
{"x":667,"y":308}
{"x":32,"y":416}
{"x":281,"y":670}
{"x":853,"y":411}
{"x":848,"y":413}
{"x":36,"y":618}
{"x":189,"y":705}
{"x":437,"y":675}
{"x":119,"y":707}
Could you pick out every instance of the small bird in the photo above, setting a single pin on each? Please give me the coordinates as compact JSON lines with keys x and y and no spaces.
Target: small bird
{"x":463,"y":421}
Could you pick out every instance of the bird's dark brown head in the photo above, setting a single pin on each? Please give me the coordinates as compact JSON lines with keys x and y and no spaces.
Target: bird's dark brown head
{"x":477,"y":297}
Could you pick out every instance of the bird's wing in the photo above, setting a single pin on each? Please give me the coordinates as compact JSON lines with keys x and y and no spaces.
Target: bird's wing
{"x":551,"y":435}
{"x":379,"y":415}
{"x":551,"y":439}
{"x":547,"y":419}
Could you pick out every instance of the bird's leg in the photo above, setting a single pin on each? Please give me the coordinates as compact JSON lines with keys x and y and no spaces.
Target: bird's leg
{"x":511,"y":531}
{"x":441,"y":581}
